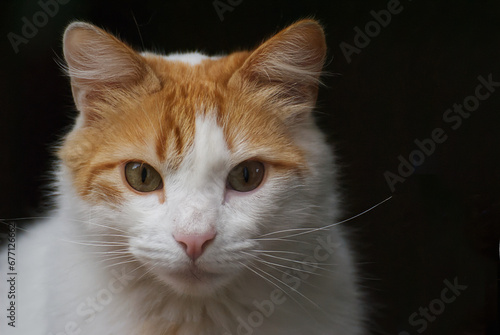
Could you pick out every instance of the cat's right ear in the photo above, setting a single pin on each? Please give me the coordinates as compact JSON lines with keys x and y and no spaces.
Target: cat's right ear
{"x":99,"y":64}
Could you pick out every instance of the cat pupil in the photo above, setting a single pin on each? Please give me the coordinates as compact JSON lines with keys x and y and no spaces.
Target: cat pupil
{"x":144,"y":174}
{"x":246,"y":175}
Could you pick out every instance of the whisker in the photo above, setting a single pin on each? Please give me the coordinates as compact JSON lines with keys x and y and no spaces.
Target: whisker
{"x":318,"y":266}
{"x":104,"y":235}
{"x":104,"y":244}
{"x":146,"y":272}
{"x":274,"y":284}
{"x":281,"y":252}
{"x":281,"y":240}
{"x":107,"y":227}
{"x":312,"y":230}
{"x":315,"y":266}
{"x":6,"y":222}
{"x":258,"y":259}
{"x":273,"y":266}
{"x":118,"y":252}
{"x":293,"y":260}
{"x":294,"y":290}
{"x":107,"y":259}
{"x":98,"y":241}
{"x":120,"y":263}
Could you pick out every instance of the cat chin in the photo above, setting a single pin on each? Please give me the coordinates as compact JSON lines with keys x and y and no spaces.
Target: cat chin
{"x":194,"y":282}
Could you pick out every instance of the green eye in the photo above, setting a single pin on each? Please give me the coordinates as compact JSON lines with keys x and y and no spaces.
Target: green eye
{"x":142,"y":177}
{"x":246,"y":176}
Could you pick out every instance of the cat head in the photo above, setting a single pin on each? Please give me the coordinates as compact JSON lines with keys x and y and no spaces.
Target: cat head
{"x":189,"y":160}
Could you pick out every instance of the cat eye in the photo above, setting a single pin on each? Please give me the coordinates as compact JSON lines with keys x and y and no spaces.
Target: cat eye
{"x":246,"y":176}
{"x":142,"y":177}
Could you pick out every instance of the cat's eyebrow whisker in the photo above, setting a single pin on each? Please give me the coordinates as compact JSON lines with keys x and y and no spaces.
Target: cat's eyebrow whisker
{"x":312,"y":230}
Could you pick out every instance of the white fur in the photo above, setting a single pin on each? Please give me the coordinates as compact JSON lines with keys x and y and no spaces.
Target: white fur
{"x":191,"y":58}
{"x":101,"y":270}
{"x":63,"y":279}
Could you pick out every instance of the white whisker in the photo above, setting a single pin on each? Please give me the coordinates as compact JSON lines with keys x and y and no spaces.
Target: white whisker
{"x":107,"y":259}
{"x":330,"y":225}
{"x":103,"y":244}
{"x":273,"y":283}
{"x":121,"y":263}
{"x":271,"y":264}
{"x":294,"y":290}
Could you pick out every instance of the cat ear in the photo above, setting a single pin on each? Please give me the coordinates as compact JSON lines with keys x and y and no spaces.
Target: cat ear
{"x":287,"y":67}
{"x":98,"y":64}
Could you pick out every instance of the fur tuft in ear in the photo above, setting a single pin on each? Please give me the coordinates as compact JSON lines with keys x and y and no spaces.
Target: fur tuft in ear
{"x":287,"y":66}
{"x":98,"y":63}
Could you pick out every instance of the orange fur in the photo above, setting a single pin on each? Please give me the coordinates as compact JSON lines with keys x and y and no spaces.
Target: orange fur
{"x":150,"y":115}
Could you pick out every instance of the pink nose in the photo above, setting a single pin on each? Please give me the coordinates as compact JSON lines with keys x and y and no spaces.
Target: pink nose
{"x":194,"y":245}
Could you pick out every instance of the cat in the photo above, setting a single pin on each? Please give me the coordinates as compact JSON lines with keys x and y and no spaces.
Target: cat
{"x":195,"y":196}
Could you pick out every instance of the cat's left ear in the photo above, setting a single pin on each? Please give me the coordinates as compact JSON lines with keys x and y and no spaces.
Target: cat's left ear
{"x":99,"y":64}
{"x":286,"y":68}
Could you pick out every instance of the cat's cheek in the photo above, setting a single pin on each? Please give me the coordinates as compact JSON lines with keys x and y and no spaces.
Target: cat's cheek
{"x":232,"y":195}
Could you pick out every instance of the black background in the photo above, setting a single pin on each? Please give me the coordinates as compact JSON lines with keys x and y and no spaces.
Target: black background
{"x":442,"y":221}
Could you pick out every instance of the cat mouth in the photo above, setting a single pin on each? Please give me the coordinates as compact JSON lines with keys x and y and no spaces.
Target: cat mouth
{"x":192,"y":275}
{"x":196,"y":274}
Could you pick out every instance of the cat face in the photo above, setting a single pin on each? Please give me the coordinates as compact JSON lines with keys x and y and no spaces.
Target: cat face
{"x":188,"y":160}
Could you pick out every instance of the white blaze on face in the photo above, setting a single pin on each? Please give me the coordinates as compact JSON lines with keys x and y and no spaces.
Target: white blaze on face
{"x":195,"y":192}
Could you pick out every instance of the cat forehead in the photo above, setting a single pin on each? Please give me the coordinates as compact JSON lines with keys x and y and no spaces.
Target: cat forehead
{"x":191,"y":58}
{"x":194,"y":104}
{"x":187,"y":66}
{"x":194,"y":93}
{"x":208,"y":155}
